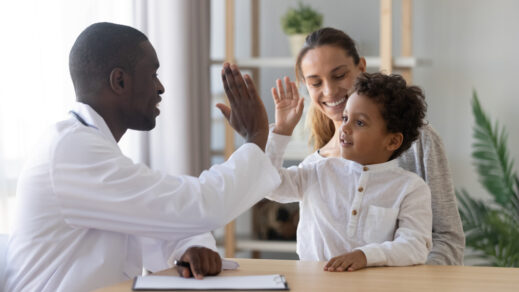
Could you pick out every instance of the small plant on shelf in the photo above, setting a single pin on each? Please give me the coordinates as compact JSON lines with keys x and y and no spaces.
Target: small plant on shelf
{"x":301,"y":20}
{"x":298,"y":22}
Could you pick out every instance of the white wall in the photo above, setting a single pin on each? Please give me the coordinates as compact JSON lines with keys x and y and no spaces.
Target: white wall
{"x":473,"y":44}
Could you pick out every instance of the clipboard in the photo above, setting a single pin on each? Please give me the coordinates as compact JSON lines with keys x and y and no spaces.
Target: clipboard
{"x":256,"y":282}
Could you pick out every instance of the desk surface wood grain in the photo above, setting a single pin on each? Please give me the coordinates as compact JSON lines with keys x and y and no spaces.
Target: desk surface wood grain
{"x":309,"y":276}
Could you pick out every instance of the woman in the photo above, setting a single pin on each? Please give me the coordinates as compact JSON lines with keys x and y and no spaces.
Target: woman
{"x":328,"y":65}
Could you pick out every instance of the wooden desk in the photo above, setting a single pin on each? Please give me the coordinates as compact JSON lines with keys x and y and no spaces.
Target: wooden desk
{"x":309,"y":276}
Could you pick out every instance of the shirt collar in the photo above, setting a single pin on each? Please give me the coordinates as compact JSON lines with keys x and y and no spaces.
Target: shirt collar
{"x":93,"y":119}
{"x":375,"y":167}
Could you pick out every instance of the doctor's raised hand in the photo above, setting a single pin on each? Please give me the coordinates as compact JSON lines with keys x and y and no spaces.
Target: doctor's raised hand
{"x":247,"y":113}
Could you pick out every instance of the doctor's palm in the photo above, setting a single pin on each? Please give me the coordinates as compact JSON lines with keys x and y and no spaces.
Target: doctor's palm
{"x":247,"y":113}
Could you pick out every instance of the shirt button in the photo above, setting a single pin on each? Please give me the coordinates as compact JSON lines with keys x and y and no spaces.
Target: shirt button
{"x":361,"y":189}
{"x":365,"y":168}
{"x":354,"y":212}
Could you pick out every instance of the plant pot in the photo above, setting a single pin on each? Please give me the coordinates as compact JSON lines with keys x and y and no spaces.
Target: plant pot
{"x":296,"y":43}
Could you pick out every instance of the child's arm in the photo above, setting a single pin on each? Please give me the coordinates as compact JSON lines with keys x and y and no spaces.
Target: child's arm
{"x":413,"y":236}
{"x":294,"y":183}
{"x":293,"y":179}
{"x":289,"y":107}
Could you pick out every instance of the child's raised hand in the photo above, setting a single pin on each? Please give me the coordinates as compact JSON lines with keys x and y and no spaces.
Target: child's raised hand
{"x":350,"y":262}
{"x":289,"y":107}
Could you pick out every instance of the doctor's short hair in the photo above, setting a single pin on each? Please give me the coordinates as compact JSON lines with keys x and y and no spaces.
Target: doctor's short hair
{"x":99,"y":49}
{"x":402,"y":107}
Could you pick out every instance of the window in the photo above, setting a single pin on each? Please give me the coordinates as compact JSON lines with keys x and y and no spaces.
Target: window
{"x":35,"y":86}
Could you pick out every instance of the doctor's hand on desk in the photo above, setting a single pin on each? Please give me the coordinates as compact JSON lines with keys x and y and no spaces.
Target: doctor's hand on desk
{"x":350,"y":262}
{"x":247,"y":113}
{"x":202,"y":261}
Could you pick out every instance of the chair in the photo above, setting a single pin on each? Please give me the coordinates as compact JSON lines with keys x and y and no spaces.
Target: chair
{"x":3,"y":250}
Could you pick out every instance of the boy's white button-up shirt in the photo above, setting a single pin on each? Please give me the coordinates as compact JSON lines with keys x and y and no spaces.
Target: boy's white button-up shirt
{"x":87,"y":216}
{"x":381,"y":209}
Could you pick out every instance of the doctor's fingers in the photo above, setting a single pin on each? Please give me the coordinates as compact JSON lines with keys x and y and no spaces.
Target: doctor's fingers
{"x":234,"y":84}
{"x":212,"y":264}
{"x":240,"y":82}
{"x":217,"y":264}
{"x":226,"y":73}
{"x":184,"y":272}
{"x":196,"y":265}
{"x":226,"y":111}
{"x":251,"y":88}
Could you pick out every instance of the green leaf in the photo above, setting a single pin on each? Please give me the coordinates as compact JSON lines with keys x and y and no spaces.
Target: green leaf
{"x":301,"y":20}
{"x":491,"y":156}
{"x":492,"y":227}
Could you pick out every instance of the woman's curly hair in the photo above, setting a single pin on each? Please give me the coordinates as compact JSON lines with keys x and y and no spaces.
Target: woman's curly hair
{"x":402,"y":107}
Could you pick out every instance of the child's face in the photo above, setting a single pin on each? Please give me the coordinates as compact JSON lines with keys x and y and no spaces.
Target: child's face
{"x":364,"y":137}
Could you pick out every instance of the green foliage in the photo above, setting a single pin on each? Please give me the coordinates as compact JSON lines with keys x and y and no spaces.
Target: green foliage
{"x":303,"y":20}
{"x":492,"y":228}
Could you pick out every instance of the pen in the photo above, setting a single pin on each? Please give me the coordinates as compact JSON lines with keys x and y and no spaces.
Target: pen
{"x":182,"y":264}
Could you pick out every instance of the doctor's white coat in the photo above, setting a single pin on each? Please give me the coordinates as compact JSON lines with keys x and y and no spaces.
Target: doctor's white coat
{"x":87,"y":216}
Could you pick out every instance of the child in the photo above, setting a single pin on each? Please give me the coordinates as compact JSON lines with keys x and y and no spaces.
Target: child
{"x":362,"y":209}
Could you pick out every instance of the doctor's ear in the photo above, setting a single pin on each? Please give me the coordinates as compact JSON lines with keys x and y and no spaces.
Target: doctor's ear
{"x":119,"y":80}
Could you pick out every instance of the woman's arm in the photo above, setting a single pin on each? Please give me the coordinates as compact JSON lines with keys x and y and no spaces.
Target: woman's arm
{"x":426,"y":157}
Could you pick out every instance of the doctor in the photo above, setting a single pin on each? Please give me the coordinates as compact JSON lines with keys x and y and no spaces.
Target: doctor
{"x":88,"y":216}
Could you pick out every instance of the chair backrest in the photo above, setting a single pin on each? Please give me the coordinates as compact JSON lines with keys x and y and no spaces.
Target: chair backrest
{"x":3,"y":250}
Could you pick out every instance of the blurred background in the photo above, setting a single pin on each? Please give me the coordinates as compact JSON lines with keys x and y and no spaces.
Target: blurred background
{"x":456,"y":47}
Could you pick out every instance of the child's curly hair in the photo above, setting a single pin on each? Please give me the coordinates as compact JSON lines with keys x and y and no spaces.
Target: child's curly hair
{"x":402,"y":107}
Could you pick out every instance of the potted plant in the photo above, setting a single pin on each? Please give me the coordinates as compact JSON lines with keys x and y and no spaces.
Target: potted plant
{"x":492,"y":226}
{"x":298,"y":22}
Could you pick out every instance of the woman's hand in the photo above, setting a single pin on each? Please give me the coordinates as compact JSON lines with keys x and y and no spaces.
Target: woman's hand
{"x":289,"y":107}
{"x":350,"y":262}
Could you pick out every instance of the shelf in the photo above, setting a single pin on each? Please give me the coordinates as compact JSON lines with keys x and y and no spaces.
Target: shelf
{"x":288,"y":62}
{"x":264,"y":245}
{"x":295,"y":151}
{"x":247,"y":63}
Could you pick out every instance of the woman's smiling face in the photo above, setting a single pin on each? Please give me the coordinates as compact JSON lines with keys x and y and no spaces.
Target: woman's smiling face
{"x":329,"y":74}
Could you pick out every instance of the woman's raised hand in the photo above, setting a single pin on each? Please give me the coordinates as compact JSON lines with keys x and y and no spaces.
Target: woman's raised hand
{"x":289,"y":107}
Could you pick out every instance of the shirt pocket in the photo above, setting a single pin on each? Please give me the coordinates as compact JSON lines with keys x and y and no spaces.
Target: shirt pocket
{"x":380,"y":224}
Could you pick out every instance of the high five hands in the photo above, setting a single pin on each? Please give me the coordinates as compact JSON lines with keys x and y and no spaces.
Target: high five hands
{"x":247,"y":113}
{"x":289,"y":106}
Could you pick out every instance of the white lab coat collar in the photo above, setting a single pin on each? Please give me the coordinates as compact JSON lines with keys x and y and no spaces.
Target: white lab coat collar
{"x":93,"y":119}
